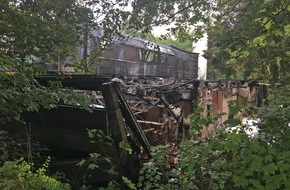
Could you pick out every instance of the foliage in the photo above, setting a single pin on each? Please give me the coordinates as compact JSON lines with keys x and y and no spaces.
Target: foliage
{"x":276,"y":119}
{"x":42,"y":30}
{"x":251,"y":45}
{"x":150,"y":177}
{"x":128,"y":183}
{"x":126,"y":147}
{"x":22,"y":93}
{"x":185,"y":44}
{"x":34,"y":34}
{"x":19,"y":175}
{"x":101,"y":160}
{"x":111,"y":186}
{"x":230,"y":160}
{"x":101,"y":139}
{"x":153,"y":174}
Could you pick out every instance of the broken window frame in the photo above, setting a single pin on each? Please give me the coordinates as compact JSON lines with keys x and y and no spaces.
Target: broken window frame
{"x":147,"y":56}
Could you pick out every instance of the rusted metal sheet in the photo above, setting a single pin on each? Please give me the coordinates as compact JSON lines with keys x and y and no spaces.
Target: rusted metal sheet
{"x":225,"y":109}
{"x":215,"y":96}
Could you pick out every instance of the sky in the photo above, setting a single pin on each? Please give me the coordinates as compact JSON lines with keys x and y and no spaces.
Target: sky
{"x":202,"y":62}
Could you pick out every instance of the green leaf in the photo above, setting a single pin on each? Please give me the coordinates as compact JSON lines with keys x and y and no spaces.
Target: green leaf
{"x":125,"y":146}
{"x":93,"y":166}
{"x":256,"y":163}
{"x":240,"y":181}
{"x":129,"y":183}
{"x":270,"y":169}
{"x":256,"y":184}
{"x":112,"y":171}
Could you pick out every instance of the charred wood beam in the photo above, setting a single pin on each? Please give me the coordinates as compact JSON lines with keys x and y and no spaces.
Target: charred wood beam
{"x":142,"y":98}
{"x":178,"y":120}
{"x":131,"y":119}
{"x":150,"y":123}
{"x":219,"y":83}
{"x":153,"y":101}
{"x":164,"y":101}
{"x":117,"y":125}
{"x":195,"y":95}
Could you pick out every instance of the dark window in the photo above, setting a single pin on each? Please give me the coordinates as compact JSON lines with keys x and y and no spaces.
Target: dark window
{"x":162,"y":58}
{"x":149,"y":56}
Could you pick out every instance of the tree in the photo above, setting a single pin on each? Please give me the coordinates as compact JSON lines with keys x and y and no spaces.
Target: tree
{"x":32,"y":34}
{"x":252,"y":45}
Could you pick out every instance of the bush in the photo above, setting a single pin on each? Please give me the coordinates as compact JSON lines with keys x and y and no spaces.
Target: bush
{"x":233,"y":161}
{"x":19,"y":175}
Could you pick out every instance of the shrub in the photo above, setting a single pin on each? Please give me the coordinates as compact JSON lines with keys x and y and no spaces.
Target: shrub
{"x":19,"y":175}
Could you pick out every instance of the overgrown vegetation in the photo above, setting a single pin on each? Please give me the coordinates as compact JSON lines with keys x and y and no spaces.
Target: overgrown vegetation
{"x":20,"y":175}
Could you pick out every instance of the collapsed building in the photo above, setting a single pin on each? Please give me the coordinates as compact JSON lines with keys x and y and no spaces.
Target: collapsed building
{"x":142,"y":93}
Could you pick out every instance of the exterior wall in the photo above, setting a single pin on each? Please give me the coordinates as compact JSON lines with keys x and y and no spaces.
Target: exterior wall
{"x":216,"y":99}
{"x":127,"y":60}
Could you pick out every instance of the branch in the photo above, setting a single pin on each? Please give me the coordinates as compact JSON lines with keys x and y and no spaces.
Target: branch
{"x":178,"y":12}
{"x":232,"y":8}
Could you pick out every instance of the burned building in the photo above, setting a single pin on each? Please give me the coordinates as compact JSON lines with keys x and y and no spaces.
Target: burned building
{"x":137,"y":57}
{"x":142,"y":112}
{"x":132,"y":56}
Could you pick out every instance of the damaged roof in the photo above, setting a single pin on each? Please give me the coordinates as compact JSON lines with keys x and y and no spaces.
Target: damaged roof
{"x":144,"y":44}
